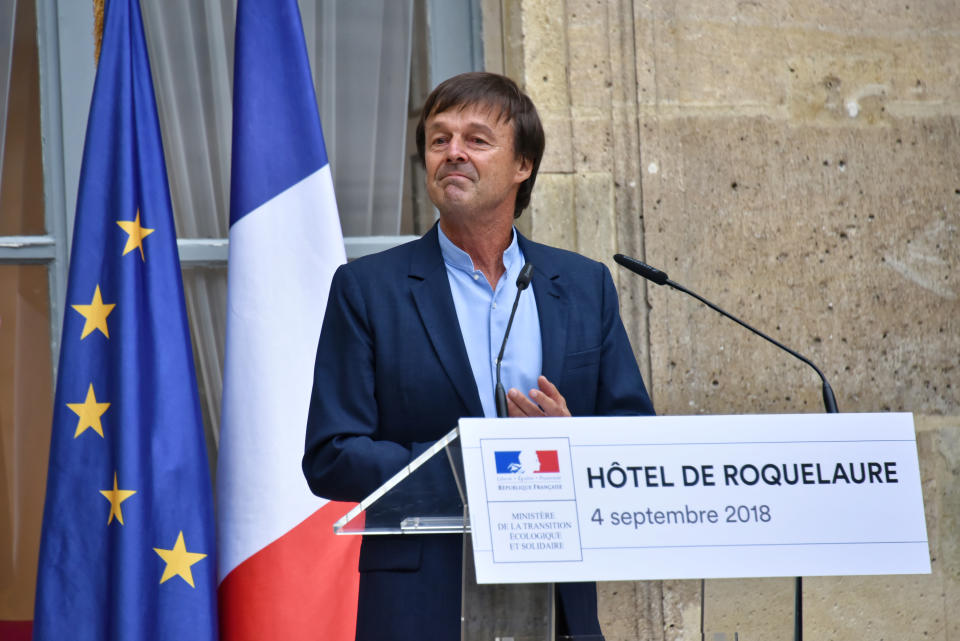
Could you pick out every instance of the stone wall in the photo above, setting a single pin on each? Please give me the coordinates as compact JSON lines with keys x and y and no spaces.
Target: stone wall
{"x":799,"y":164}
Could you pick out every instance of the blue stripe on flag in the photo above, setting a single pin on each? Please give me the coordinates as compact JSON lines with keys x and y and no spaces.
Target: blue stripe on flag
{"x":127,"y":548}
{"x":277,"y":140}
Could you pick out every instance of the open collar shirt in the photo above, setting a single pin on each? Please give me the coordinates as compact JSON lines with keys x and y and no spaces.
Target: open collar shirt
{"x":483,"y":313}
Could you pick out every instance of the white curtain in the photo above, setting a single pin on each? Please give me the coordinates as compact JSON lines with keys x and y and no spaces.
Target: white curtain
{"x":360,"y":53}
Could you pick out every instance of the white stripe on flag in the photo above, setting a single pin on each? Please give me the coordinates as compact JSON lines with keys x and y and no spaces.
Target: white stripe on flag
{"x":282,"y":257}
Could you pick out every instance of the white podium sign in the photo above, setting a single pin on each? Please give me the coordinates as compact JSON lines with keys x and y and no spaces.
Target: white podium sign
{"x":577,"y":499}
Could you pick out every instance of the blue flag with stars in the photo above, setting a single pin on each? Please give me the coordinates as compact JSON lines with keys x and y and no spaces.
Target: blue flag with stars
{"x":128,"y":546}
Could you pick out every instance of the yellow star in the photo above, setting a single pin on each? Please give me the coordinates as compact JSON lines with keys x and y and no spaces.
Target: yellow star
{"x":116,"y":497}
{"x":89,"y":412}
{"x":136,"y":234}
{"x":96,"y":314}
{"x":178,"y":561}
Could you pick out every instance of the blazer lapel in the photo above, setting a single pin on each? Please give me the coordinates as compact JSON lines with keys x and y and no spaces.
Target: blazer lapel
{"x":552,"y":308}
{"x":430,"y":289}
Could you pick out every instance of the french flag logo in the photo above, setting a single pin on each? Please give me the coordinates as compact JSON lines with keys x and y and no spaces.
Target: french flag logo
{"x":520,"y":462}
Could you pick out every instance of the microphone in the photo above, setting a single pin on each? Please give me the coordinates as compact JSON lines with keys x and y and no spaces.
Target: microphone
{"x":654,"y":275}
{"x":526,"y":274}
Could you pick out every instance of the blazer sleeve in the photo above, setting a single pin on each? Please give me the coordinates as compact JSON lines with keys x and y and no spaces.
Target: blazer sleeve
{"x":343,"y":458}
{"x":620,"y":388}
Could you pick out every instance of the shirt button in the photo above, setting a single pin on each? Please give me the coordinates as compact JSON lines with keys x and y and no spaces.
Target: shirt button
{"x":494,"y":305}
{"x":476,"y":277}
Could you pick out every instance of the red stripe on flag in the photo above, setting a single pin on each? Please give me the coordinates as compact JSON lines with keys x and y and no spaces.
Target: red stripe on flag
{"x":16,"y":630}
{"x":304,"y":586}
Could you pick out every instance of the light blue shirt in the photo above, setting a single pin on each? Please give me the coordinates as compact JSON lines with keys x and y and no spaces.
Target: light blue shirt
{"x":483,"y":314}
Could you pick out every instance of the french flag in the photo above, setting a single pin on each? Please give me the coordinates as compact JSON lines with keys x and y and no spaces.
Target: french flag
{"x":283,"y":574}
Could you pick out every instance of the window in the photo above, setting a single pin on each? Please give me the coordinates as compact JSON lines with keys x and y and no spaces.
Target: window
{"x":27,"y":253}
{"x":373,"y":61}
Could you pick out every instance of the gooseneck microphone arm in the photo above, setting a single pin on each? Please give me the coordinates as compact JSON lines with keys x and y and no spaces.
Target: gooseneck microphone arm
{"x":654,"y":275}
{"x":526,"y":274}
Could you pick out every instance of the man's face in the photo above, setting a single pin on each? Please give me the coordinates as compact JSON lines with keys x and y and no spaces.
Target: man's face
{"x":472,"y":169}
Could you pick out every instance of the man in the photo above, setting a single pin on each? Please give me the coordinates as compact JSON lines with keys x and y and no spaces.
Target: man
{"x":410,"y":337}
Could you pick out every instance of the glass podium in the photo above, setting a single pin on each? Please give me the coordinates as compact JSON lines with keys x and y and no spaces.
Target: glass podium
{"x":428,"y":496}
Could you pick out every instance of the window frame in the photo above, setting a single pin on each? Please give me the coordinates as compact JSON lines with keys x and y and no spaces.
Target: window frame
{"x":67,"y":72}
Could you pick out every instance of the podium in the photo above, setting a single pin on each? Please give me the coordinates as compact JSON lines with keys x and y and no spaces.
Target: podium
{"x":428,"y":496}
{"x":557,"y":500}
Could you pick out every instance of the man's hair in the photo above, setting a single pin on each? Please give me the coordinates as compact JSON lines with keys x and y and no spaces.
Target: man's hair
{"x":505,"y":99}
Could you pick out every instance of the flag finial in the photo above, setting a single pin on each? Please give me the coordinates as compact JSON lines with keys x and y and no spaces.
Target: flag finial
{"x":97,"y":29}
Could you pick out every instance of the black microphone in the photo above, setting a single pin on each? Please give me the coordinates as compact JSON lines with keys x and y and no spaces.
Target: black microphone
{"x":660,"y":278}
{"x":526,"y":273}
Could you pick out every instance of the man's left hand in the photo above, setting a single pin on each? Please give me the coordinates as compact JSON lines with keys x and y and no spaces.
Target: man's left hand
{"x":546,"y":401}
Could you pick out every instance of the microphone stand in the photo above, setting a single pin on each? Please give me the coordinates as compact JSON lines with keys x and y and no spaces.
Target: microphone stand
{"x":500,"y":395}
{"x":659,"y":277}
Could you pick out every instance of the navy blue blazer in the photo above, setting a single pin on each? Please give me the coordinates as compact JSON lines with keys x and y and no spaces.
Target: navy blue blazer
{"x":392,"y":376}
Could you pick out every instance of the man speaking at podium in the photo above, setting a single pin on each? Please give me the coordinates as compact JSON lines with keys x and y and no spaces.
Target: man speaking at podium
{"x":411,"y":335}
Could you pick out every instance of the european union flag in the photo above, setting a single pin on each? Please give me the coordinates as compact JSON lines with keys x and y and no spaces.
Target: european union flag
{"x":128,"y":536}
